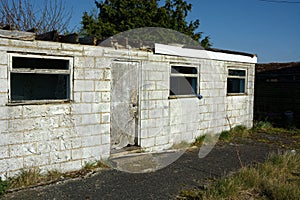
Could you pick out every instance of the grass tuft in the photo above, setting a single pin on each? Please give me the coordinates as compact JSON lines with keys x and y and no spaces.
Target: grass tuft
{"x":277,"y":178}
{"x":267,"y":127}
{"x":25,"y":178}
{"x":3,"y":186}
{"x":236,"y":132}
{"x":190,"y":195}
{"x":262,"y":126}
{"x":199,"y":140}
{"x":33,"y":176}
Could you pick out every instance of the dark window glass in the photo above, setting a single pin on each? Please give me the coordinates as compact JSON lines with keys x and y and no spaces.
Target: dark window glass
{"x":183,"y":70}
{"x":27,"y":86}
{"x":233,"y":72}
{"x":183,"y":85}
{"x":39,"y":63}
{"x":235,"y":85}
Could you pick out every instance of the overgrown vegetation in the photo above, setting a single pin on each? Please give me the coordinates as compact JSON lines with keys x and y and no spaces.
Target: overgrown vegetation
{"x":33,"y":176}
{"x":3,"y":186}
{"x":199,"y":140}
{"x":277,"y":178}
{"x":238,"y":131}
{"x":265,"y":126}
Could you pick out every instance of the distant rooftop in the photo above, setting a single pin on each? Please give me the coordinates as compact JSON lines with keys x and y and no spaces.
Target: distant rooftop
{"x":277,"y":66}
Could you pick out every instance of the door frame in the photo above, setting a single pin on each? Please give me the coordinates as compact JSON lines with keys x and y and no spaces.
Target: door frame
{"x":139,"y":71}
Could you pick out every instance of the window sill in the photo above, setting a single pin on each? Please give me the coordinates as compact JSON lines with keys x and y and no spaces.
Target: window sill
{"x":185,"y":96}
{"x":38,"y":102}
{"x":237,"y":94}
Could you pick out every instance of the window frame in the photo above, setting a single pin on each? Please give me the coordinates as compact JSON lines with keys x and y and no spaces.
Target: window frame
{"x":197,"y":76}
{"x":237,"y":77}
{"x":68,"y":71}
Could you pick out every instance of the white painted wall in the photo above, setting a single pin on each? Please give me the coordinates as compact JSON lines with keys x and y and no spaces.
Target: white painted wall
{"x":64,"y":136}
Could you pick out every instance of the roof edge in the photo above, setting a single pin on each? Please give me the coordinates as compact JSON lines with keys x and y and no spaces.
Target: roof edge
{"x":214,"y":54}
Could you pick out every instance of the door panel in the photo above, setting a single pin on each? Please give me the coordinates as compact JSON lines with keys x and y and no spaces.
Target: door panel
{"x":124,"y":104}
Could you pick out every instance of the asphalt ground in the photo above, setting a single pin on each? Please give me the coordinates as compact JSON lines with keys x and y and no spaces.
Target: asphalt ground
{"x":187,"y":172}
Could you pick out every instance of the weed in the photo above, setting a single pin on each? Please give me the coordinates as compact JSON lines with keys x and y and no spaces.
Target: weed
{"x":3,"y":186}
{"x":91,"y":166}
{"x":199,"y":140}
{"x":33,"y":176}
{"x":190,"y":195}
{"x":277,"y":178}
{"x":225,"y":135}
{"x":238,"y":131}
{"x":102,"y":164}
{"x":262,"y":126}
{"x":25,"y":178}
{"x":54,"y":175}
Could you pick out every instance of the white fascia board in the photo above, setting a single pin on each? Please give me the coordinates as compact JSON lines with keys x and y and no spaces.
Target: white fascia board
{"x":205,"y":54}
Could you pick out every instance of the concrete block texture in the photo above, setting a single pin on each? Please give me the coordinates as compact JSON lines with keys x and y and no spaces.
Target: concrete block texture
{"x":65,"y":135}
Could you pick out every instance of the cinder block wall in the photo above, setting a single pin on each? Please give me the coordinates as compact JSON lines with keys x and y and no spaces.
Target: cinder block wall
{"x":64,"y":136}
{"x":165,"y":122}
{"x":56,"y":136}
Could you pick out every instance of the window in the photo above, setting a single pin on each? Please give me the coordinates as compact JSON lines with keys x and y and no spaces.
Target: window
{"x":36,"y":78}
{"x":183,"y":80}
{"x":236,"y":81}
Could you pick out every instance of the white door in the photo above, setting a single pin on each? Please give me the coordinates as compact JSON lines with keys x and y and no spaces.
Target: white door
{"x":124,"y":104}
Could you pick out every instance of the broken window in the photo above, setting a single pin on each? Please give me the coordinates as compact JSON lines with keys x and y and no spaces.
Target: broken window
{"x":236,"y":81}
{"x":34,"y":78}
{"x":183,"y":80}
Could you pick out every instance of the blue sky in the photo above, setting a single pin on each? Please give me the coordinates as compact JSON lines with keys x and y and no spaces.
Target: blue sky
{"x":270,"y":30}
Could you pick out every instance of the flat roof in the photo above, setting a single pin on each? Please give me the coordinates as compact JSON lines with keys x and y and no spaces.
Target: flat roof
{"x":215,"y":54}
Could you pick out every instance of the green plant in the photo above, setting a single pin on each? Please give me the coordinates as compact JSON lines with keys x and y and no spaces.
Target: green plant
{"x":225,"y":135}
{"x":3,"y":186}
{"x":54,"y":175}
{"x":25,"y":178}
{"x":237,"y":131}
{"x":265,"y":126}
{"x":33,"y":176}
{"x":277,"y":178}
{"x":190,"y":195}
{"x":240,"y":130}
{"x":90,"y":166}
{"x":199,"y":140}
{"x":262,"y":126}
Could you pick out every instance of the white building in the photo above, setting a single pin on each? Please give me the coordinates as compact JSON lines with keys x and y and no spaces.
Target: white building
{"x":62,"y":105}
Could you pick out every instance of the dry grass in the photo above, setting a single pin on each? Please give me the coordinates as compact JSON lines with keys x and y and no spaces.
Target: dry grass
{"x":267,"y":127}
{"x":33,"y":176}
{"x":236,"y":132}
{"x":277,"y":178}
